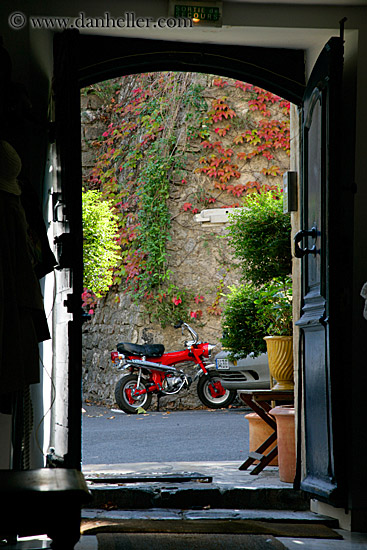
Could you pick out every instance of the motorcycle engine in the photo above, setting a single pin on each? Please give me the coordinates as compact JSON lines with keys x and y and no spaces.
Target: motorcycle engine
{"x":173,"y":384}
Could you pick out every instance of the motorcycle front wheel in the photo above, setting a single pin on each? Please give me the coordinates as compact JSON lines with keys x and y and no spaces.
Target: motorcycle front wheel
{"x":205,"y":394}
{"x":130,"y":382}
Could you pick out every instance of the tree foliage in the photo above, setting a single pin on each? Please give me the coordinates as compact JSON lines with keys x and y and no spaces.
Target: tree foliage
{"x":274,"y":307}
{"x":100,"y":250}
{"x":153,"y":123}
{"x":260,"y":237}
{"x":243,"y":333}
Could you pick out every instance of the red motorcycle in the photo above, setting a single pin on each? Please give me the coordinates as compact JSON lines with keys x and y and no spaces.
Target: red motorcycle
{"x":149,"y":370}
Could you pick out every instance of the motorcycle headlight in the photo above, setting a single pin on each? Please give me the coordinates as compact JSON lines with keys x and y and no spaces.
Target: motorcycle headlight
{"x":210,"y":349}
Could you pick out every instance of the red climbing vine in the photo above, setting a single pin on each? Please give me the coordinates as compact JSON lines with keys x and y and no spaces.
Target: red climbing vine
{"x":142,"y":153}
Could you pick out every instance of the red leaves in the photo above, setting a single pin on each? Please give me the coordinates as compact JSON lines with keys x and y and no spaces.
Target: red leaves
{"x":220,"y":83}
{"x":222,"y":131}
{"x":196,"y":314}
{"x":219,"y":104}
{"x":219,"y":167}
{"x":271,"y":171}
{"x":234,"y":205}
{"x":207,"y":143}
{"x":216,"y":161}
{"x":242,"y":156}
{"x":270,"y":134}
{"x":220,"y":110}
{"x":89,"y":300}
{"x":223,"y":146}
{"x":244,"y":86}
{"x":214,"y":310}
{"x":221,"y":186}
{"x":236,"y":190}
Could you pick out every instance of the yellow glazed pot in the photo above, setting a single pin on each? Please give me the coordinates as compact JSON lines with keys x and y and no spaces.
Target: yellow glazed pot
{"x":280,"y":358}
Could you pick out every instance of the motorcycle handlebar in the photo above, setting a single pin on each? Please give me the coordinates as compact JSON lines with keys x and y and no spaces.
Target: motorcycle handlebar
{"x":193,"y":333}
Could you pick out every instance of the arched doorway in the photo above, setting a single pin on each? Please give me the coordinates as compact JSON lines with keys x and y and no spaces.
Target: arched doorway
{"x":282,"y":72}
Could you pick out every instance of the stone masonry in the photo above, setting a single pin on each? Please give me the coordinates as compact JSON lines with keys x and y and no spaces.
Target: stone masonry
{"x":199,"y":258}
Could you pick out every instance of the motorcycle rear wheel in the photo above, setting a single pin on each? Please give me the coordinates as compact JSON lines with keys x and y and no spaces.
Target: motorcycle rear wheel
{"x":205,"y":395}
{"x":130,"y":382}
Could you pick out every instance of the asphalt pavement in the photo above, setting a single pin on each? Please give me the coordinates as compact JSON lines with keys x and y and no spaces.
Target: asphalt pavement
{"x":111,"y":437}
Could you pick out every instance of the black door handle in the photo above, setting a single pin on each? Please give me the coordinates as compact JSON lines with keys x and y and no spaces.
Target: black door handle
{"x":300,"y":252}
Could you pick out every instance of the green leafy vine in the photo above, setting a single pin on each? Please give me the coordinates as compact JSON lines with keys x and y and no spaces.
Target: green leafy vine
{"x":152,"y":121}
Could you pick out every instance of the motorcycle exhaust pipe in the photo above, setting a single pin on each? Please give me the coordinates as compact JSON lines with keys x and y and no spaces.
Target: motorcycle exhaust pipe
{"x":152,"y":366}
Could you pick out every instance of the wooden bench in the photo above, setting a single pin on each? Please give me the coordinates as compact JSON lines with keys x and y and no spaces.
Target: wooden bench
{"x":46,"y":501}
{"x":260,"y":402}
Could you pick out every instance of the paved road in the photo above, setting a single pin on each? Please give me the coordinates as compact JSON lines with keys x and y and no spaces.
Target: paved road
{"x":113,"y":437}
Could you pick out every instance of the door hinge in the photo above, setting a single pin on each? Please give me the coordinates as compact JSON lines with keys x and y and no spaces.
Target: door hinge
{"x":57,"y":204}
{"x":73,"y":303}
{"x":64,"y":250}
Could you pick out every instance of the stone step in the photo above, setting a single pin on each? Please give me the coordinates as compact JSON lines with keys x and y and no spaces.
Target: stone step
{"x":283,"y":523}
{"x":189,"y":495}
{"x":277,"y":516}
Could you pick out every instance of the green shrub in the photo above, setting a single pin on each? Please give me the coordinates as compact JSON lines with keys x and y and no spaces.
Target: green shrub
{"x":243,"y":333}
{"x":274,"y":307}
{"x":260,"y":236}
{"x":100,"y":249}
{"x":252,"y":313}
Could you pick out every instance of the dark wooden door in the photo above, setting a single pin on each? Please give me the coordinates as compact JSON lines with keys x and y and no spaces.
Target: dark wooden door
{"x":67,"y":218}
{"x":316,"y":245}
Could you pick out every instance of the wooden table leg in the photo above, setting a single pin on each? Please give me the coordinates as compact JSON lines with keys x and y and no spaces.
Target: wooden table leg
{"x":264,"y":461}
{"x":261,"y":410}
{"x":258,"y":454}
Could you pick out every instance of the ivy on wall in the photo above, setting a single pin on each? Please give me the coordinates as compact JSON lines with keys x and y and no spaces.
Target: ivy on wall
{"x":152,"y":120}
{"x":100,"y":250}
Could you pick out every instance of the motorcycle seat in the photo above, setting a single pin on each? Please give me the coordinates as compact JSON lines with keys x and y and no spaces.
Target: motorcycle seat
{"x":147,"y":350}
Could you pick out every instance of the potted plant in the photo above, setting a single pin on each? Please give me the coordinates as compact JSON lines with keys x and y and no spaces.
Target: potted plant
{"x":243,"y":331}
{"x":274,"y":311}
{"x":260,"y":236}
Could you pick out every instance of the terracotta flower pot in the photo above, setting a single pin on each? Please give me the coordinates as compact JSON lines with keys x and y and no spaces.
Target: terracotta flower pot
{"x":280,"y":358}
{"x":284,"y":416}
{"x":259,"y":431}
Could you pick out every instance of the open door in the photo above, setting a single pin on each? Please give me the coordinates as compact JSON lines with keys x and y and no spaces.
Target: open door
{"x":318,"y":244}
{"x":67,"y":218}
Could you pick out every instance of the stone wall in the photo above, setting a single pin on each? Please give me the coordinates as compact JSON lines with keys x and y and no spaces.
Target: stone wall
{"x":115,"y":323}
{"x":200,"y":259}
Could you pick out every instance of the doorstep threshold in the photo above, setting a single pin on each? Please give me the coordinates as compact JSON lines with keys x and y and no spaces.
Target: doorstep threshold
{"x":111,"y":479}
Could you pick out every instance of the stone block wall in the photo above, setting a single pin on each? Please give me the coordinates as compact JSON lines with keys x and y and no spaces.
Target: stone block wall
{"x":199,"y":258}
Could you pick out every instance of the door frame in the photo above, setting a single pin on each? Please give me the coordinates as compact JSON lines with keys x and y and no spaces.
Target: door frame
{"x":98,"y":58}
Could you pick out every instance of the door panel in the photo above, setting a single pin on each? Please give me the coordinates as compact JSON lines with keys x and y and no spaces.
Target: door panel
{"x":320,"y":183}
{"x":313,"y":134}
{"x":68,"y":240}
